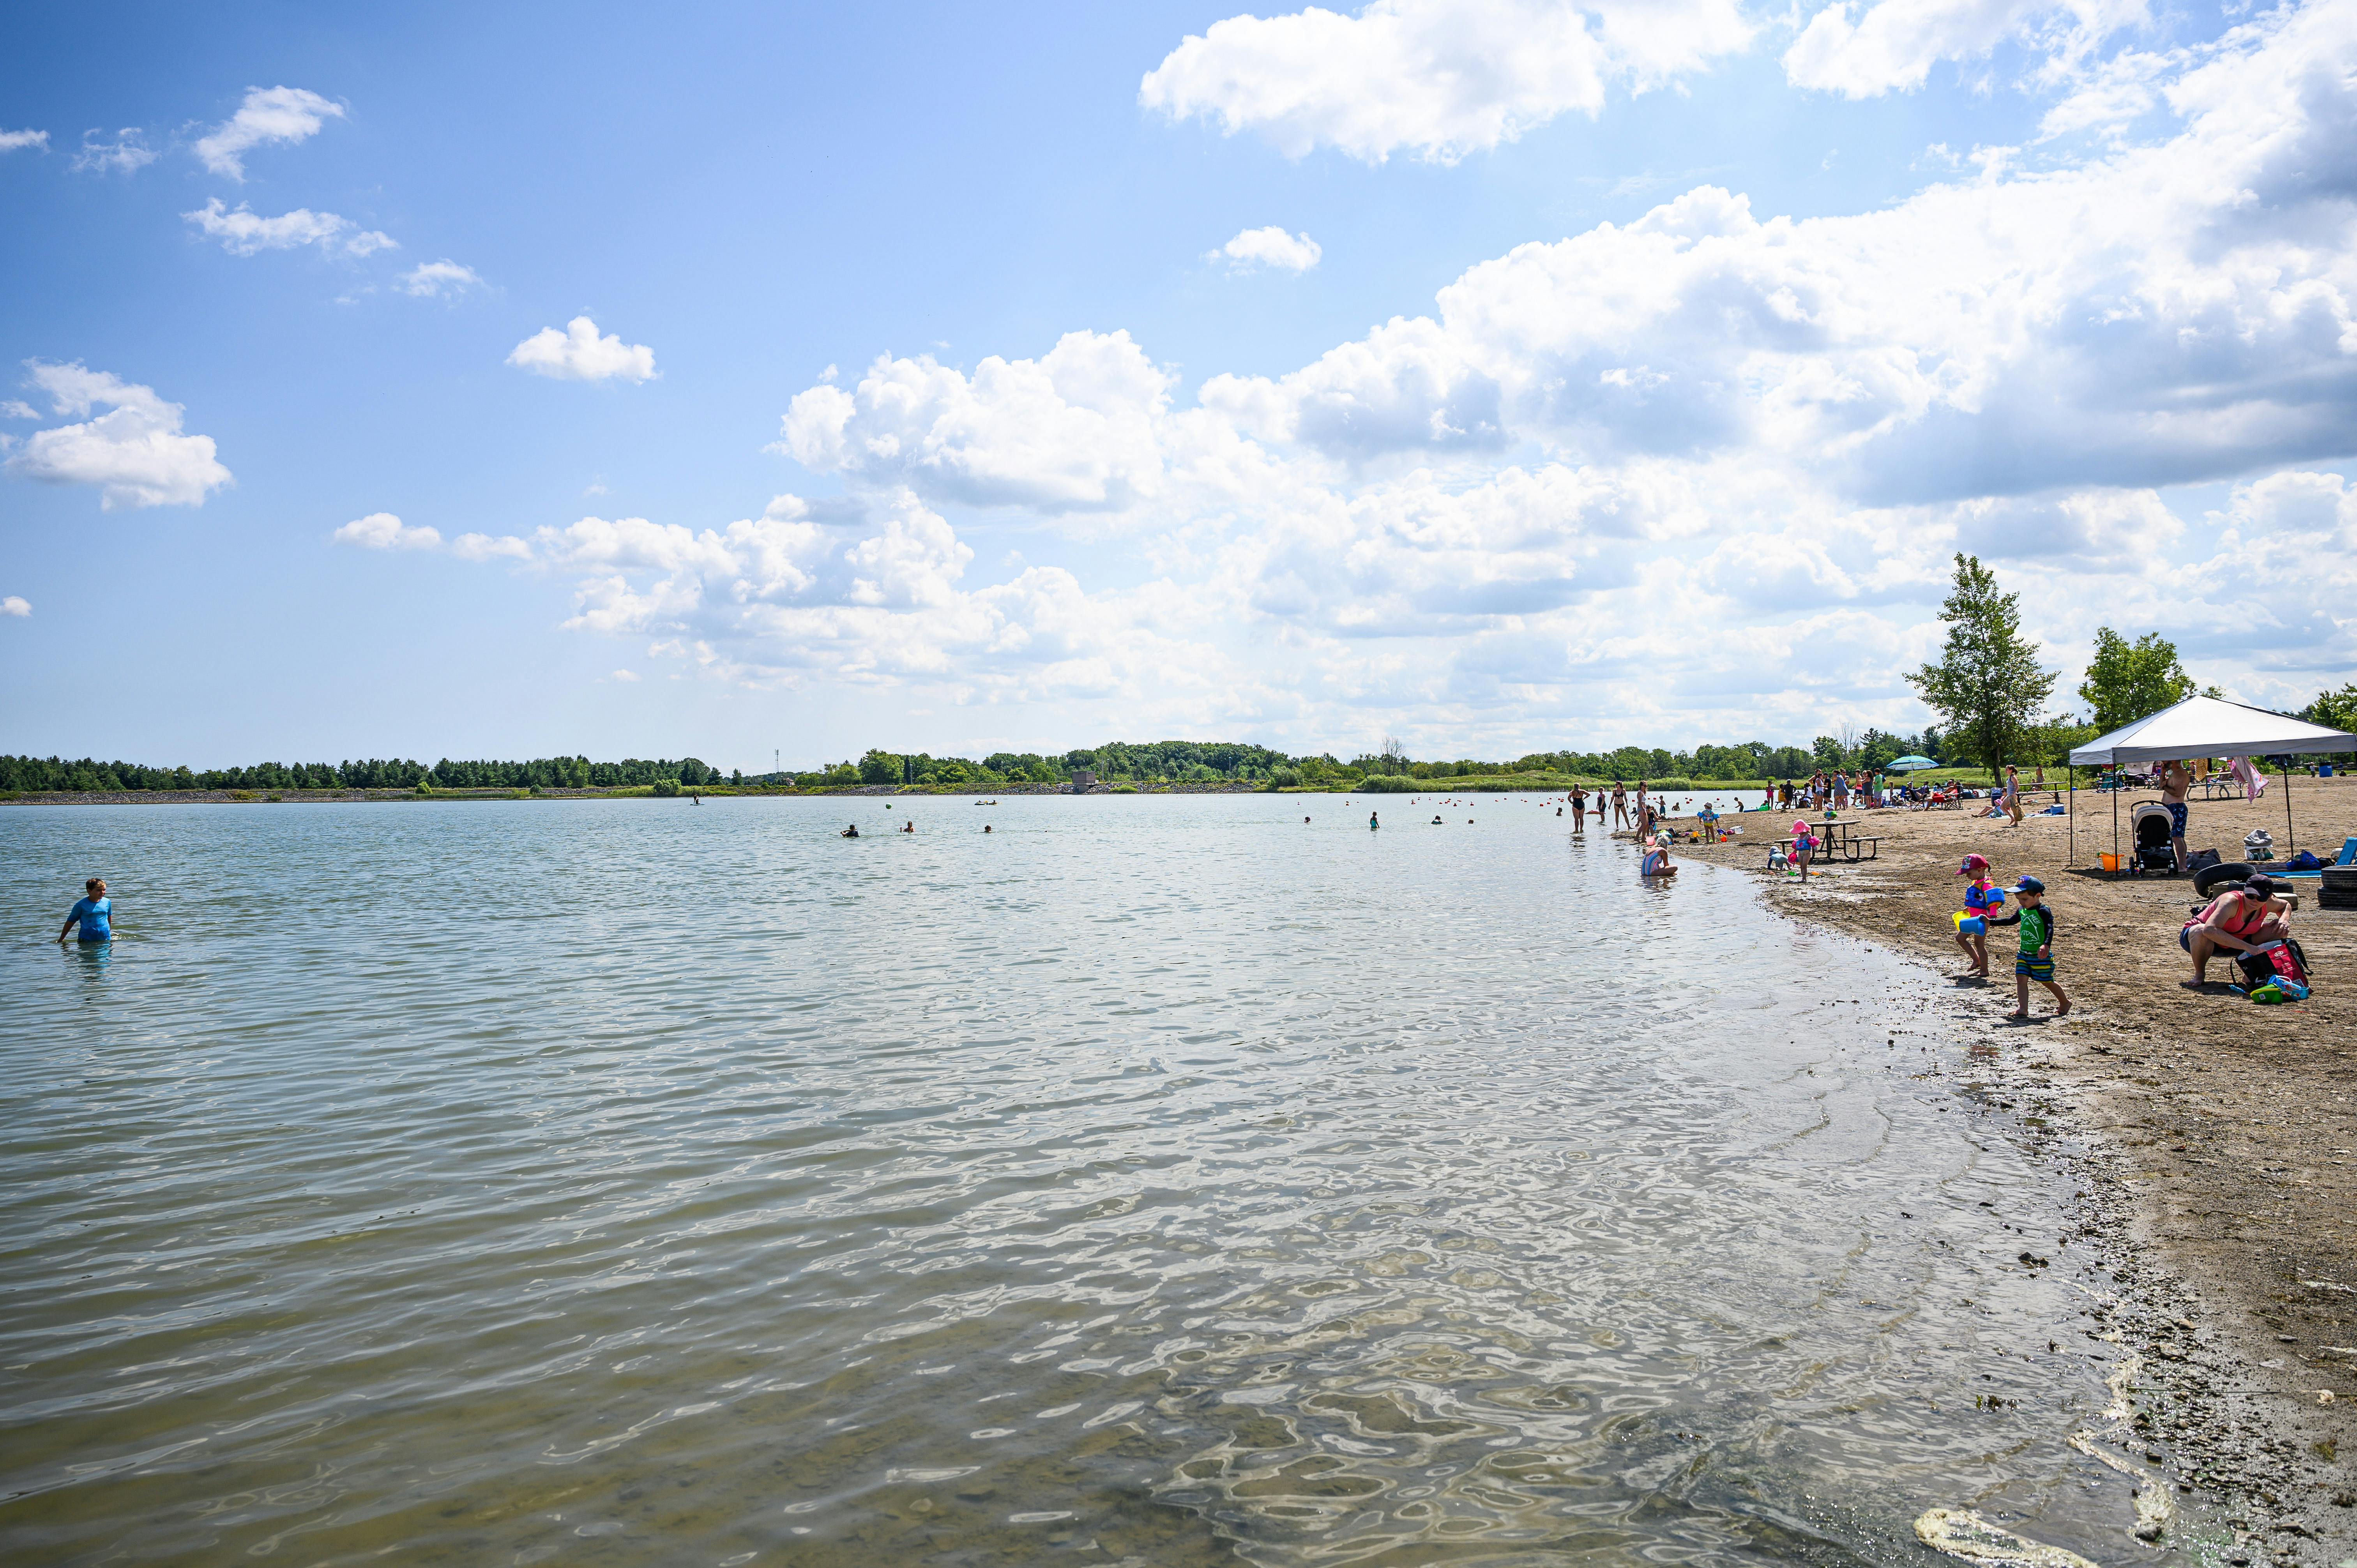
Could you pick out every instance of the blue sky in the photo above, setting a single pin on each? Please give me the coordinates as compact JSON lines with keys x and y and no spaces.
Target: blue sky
{"x":1604,"y":375}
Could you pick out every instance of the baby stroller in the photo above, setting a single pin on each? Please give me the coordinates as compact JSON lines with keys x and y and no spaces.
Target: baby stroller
{"x":2150,"y":824}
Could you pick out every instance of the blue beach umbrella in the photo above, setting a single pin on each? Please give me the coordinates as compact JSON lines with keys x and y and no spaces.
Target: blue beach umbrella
{"x":1909,"y":764}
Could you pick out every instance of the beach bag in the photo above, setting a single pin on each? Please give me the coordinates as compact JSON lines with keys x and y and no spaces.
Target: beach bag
{"x":2201,"y":860}
{"x":2280,"y":963}
{"x":2304,"y":861}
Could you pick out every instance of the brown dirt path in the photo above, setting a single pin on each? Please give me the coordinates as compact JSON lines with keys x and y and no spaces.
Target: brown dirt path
{"x":2221,"y":1136}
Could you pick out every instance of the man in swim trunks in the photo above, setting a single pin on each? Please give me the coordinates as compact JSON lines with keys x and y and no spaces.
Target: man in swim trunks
{"x":94,"y":913}
{"x":2174,"y":780}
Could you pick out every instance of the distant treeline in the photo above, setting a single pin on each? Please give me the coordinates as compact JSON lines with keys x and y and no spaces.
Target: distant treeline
{"x":1165,"y":761}
{"x":25,"y":773}
{"x":1182,"y":761}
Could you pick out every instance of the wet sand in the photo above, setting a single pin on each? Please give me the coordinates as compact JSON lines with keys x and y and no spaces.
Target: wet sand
{"x":2218,"y":1138}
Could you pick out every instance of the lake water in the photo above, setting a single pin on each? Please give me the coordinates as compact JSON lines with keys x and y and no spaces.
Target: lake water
{"x":1155,"y":1180}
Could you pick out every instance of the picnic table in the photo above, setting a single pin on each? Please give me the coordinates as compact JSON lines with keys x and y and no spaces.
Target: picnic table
{"x":1837,"y":840}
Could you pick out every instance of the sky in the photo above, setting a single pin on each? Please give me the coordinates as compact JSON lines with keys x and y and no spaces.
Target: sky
{"x":773,"y":382}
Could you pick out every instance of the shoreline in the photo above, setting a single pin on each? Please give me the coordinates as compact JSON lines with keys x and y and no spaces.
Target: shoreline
{"x":2216,"y":1141}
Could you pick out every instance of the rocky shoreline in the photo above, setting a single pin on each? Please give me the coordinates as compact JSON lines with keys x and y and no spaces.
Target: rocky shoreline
{"x":2214,"y":1145}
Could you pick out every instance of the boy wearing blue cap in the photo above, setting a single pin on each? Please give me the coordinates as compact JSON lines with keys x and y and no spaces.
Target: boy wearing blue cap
{"x":2036,"y":958}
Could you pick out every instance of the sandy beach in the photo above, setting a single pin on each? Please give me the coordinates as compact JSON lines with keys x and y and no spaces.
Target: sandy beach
{"x":2219,"y":1138}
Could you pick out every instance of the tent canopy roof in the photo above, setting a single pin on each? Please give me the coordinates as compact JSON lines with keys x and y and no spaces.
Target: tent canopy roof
{"x":2208,"y":726}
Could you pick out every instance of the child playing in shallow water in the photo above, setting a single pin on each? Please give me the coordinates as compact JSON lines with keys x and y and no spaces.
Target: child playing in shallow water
{"x":94,"y":913}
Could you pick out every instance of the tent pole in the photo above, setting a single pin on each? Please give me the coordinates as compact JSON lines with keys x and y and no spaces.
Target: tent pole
{"x":2288,"y":845}
{"x":2071,"y":819}
{"x":2115,"y":816}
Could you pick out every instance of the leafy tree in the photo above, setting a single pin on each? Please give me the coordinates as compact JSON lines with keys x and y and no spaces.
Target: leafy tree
{"x":1987,"y":683}
{"x":1826,"y":751}
{"x":880,"y":767}
{"x":2334,"y":709}
{"x":2129,"y":680}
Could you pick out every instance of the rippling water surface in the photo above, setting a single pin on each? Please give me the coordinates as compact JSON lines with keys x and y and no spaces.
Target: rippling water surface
{"x":1150,"y":1180}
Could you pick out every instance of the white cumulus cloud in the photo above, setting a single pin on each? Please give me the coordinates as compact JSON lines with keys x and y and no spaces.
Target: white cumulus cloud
{"x":578,"y":354}
{"x":1075,"y":430}
{"x":129,"y":151}
{"x":1271,"y":247}
{"x":1696,"y":475}
{"x":15,"y":604}
{"x":1894,"y":43}
{"x":10,"y":141}
{"x":136,"y":453}
{"x":382,"y":531}
{"x":1443,"y":78}
{"x":433,"y":279}
{"x":268,"y":114}
{"x":245,"y":233}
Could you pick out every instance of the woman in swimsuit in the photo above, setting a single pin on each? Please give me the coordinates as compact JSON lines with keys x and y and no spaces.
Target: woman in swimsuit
{"x":2237,"y":921}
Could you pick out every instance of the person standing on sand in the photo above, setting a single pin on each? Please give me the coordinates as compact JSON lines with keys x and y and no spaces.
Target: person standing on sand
{"x":2036,"y":957}
{"x":94,"y":913}
{"x":2013,"y":793}
{"x":2174,"y":780}
{"x":1981,"y":896}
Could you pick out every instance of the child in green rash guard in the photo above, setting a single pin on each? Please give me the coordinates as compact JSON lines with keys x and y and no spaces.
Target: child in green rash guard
{"x":2036,"y":958}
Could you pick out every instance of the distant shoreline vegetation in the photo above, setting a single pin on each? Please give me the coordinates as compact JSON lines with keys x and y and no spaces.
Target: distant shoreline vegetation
{"x":1225,"y":764}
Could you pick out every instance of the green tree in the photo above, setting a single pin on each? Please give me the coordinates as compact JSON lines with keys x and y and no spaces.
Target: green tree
{"x":2334,"y":709}
{"x":880,"y":767}
{"x":1987,"y":683}
{"x":2129,"y":680}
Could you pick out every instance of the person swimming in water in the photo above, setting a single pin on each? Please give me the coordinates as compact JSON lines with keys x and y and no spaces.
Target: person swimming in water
{"x":94,"y":913}
{"x":908,"y":827}
{"x":850,"y":832}
{"x":1374,"y":821}
{"x":985,"y":827}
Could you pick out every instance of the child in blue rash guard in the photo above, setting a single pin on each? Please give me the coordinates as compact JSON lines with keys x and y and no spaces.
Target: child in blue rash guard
{"x":2036,"y":958}
{"x":93,"y":913}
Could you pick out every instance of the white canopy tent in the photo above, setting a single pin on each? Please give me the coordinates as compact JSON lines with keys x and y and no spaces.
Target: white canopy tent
{"x":2205,"y":727}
